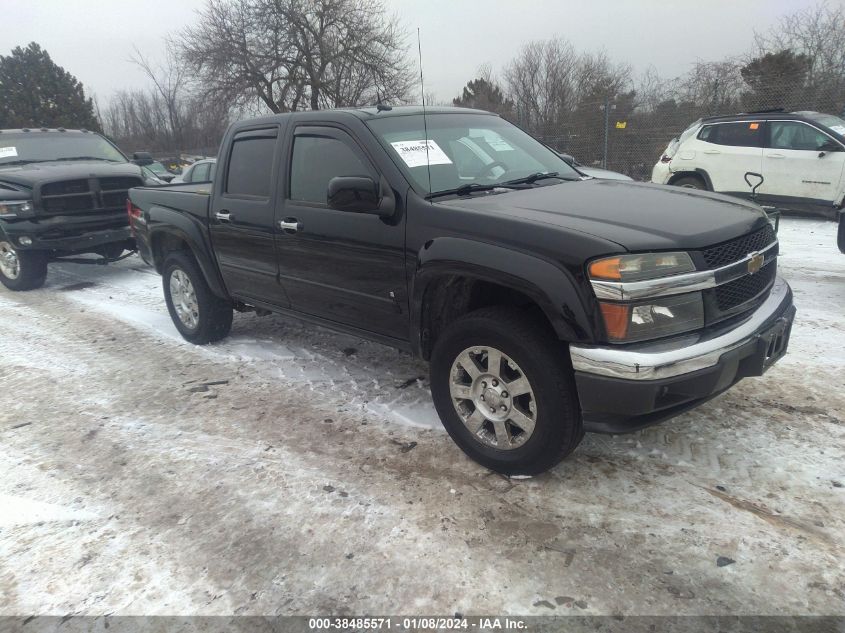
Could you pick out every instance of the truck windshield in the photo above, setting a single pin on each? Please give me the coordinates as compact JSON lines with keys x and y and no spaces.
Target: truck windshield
{"x":466,"y":149}
{"x":18,"y":148}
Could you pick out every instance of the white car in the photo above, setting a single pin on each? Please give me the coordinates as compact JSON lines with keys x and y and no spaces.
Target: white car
{"x":800,"y":155}
{"x":200,"y":171}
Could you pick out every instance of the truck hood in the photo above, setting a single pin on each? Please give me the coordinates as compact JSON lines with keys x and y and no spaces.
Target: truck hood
{"x":637,"y":216}
{"x":28,"y":176}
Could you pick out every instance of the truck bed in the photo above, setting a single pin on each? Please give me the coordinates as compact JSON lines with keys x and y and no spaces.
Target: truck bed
{"x":189,"y":197}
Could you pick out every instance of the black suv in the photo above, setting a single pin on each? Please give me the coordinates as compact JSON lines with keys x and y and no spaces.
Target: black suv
{"x":62,"y":192}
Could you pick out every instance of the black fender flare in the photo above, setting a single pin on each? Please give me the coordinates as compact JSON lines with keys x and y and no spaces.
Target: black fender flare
{"x":163,"y":222}
{"x":546,"y":283}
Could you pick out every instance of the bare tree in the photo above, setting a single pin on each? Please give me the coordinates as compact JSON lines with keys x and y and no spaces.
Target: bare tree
{"x":168,"y":116}
{"x":817,"y":33}
{"x":170,"y":84}
{"x":715,"y":87}
{"x":297,"y":54}
{"x":597,"y":78}
{"x":652,"y":89}
{"x":540,"y":83}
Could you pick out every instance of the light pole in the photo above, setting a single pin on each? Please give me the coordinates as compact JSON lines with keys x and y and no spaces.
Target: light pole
{"x":607,"y":107}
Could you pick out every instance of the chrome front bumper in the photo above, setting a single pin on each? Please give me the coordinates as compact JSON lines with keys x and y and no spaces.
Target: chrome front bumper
{"x":684,"y":355}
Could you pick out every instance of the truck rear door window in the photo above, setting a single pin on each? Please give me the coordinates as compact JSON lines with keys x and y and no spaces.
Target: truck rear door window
{"x":251,"y":167}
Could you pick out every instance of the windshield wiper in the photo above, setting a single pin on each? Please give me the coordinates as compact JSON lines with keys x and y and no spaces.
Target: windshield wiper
{"x":530,"y":180}
{"x":465,"y":190}
{"x":20,"y":162}
{"x":108,"y":160}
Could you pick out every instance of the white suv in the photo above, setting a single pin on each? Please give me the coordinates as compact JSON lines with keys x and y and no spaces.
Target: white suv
{"x":801,"y":156}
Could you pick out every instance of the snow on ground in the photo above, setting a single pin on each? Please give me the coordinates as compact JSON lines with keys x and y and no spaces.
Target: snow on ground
{"x":289,"y":469}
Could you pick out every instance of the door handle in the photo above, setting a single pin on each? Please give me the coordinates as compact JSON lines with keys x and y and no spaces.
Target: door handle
{"x":712,"y":151}
{"x":290,"y":224}
{"x":223,"y":216}
{"x":775,"y":156}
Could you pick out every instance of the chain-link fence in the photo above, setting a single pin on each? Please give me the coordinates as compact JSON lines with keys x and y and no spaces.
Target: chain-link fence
{"x":630,"y":139}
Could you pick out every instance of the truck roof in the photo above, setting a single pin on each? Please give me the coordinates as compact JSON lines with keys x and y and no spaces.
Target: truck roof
{"x":36,"y":130}
{"x":364,"y":113}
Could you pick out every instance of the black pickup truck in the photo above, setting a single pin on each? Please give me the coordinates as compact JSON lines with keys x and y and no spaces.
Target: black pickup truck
{"x":62,"y":192}
{"x":547,"y":303}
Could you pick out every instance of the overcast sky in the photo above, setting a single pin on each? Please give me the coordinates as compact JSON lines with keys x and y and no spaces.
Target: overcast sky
{"x":94,"y":39}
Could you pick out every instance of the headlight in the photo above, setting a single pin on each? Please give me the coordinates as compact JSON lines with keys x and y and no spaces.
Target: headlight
{"x":15,"y":209}
{"x":628,"y":321}
{"x":655,"y":318}
{"x":640,"y":267}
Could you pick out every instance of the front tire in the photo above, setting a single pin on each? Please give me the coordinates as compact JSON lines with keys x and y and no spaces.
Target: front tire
{"x":504,"y":391}
{"x":21,"y":270}
{"x":200,"y":316}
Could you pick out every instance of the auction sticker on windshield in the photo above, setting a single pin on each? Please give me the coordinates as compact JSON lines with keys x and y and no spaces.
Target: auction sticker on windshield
{"x":6,"y":152}
{"x":414,"y":153}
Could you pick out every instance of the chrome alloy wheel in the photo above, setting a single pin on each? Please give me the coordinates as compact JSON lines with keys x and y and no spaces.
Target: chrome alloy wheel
{"x":493,"y":397}
{"x":184,"y":299}
{"x":10,"y":265}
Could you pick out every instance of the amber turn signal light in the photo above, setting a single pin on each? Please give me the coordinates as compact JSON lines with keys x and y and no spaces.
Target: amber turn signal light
{"x":606,"y":269}
{"x":616,"y":319}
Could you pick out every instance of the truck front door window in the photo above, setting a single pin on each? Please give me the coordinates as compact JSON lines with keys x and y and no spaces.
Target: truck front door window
{"x":315,"y":161}
{"x":336,"y":265}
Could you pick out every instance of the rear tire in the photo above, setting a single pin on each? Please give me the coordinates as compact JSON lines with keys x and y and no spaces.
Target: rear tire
{"x":519,"y":416}
{"x":690,"y":182}
{"x":21,"y":270}
{"x":200,"y":316}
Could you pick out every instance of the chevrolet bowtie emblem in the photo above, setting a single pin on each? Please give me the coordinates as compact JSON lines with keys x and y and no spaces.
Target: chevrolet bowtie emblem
{"x":755,"y":263}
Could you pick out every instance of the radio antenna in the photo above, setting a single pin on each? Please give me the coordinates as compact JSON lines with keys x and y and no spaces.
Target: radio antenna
{"x":425,"y":122}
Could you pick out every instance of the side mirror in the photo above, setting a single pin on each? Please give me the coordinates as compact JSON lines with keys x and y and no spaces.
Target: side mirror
{"x":142,"y":158}
{"x":829,"y":146}
{"x":357,"y":194}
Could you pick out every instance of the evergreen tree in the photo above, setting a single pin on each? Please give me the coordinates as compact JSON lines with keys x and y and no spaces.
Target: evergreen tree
{"x":484,"y":94}
{"x":776,"y":80}
{"x":36,"y":92}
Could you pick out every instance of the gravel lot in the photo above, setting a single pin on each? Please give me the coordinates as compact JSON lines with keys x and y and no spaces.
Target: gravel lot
{"x":290,"y":470}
